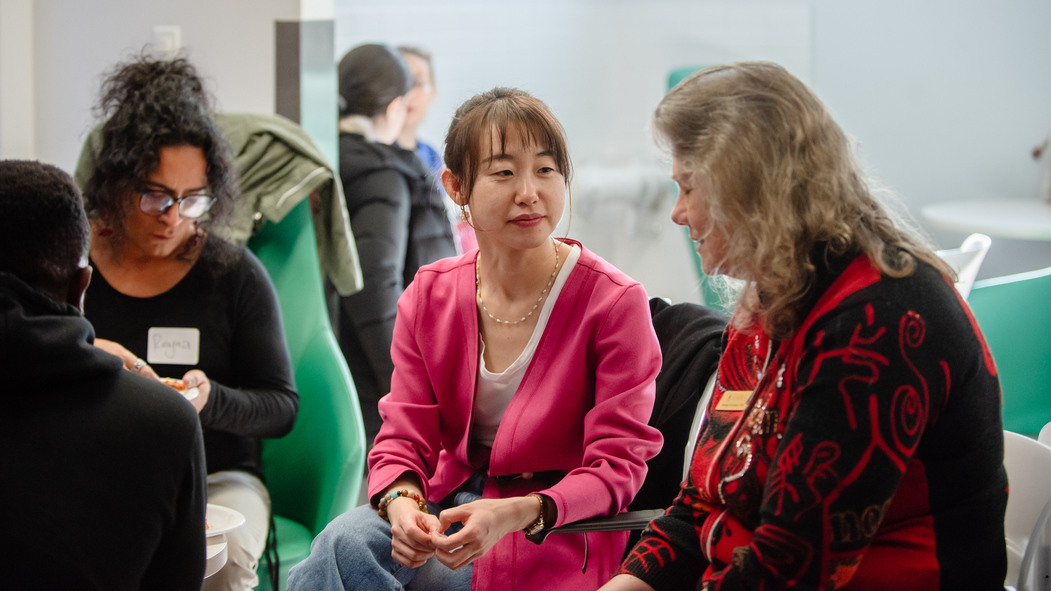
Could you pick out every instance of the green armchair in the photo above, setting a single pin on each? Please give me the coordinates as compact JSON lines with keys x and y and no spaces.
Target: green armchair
{"x":314,"y":473}
{"x":1015,"y":317}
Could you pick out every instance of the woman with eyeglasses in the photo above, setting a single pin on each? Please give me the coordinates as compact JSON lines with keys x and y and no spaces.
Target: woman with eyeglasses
{"x":175,"y":301}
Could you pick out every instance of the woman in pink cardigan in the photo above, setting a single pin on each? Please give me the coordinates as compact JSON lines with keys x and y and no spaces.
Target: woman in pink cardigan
{"x":523,"y":382}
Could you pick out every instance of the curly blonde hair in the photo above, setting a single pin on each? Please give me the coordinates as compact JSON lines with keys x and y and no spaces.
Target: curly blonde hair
{"x":785,"y":187}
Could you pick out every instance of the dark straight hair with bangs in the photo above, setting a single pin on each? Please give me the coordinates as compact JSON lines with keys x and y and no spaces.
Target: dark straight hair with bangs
{"x":499,"y":110}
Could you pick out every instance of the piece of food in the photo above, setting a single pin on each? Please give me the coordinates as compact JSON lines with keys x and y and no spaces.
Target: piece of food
{"x":174,"y":383}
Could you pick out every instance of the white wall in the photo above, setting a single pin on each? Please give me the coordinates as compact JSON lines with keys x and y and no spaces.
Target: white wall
{"x":601,"y":65}
{"x":75,"y":42}
{"x":947,"y":97}
{"x":17,"y":139}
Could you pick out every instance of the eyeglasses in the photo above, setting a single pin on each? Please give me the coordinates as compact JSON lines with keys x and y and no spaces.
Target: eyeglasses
{"x":190,"y":207}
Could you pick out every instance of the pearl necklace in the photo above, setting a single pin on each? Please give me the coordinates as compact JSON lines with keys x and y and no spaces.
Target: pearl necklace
{"x":478,"y":287}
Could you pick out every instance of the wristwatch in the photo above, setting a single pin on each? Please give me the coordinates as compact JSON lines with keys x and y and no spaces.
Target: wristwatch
{"x":537,"y":525}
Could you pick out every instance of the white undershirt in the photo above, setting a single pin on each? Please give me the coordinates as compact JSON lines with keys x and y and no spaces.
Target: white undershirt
{"x":495,"y":390}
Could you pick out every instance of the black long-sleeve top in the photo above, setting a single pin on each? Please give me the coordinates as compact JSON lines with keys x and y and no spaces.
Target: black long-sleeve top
{"x":229,"y":298}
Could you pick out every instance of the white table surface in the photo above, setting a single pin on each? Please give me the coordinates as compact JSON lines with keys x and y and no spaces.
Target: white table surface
{"x":1018,"y":219}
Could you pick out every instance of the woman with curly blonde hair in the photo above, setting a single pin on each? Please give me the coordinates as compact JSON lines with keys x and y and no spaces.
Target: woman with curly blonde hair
{"x":833,"y":452}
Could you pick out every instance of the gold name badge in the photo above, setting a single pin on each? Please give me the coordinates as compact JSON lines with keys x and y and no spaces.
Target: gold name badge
{"x":734,"y":400}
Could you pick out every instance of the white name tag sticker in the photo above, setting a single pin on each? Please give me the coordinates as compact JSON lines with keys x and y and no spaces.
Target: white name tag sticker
{"x":173,"y":346}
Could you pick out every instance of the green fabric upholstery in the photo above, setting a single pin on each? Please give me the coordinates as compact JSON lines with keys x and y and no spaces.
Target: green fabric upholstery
{"x":1015,"y":317}
{"x":313,"y":473}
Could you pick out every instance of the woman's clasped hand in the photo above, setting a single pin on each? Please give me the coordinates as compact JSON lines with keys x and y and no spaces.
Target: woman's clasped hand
{"x":413,"y":532}
{"x":485,"y":522}
{"x":417,"y":536}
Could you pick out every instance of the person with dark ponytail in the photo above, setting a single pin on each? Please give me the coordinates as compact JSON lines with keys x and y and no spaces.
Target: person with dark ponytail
{"x":396,"y":212}
{"x":171,"y":299}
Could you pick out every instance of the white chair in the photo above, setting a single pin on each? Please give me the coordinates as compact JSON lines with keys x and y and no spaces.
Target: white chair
{"x":1045,"y":435}
{"x":966,"y":260}
{"x":698,"y":417}
{"x":1028,"y":464}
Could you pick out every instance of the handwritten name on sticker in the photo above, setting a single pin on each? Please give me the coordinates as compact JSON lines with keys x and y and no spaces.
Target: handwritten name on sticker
{"x":173,"y":346}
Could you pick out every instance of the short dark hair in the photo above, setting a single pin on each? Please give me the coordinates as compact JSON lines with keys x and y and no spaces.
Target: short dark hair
{"x":370,"y":77}
{"x":149,"y":104}
{"x":44,"y":232}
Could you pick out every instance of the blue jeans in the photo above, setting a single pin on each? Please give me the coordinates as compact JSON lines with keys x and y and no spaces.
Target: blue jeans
{"x":354,"y":552}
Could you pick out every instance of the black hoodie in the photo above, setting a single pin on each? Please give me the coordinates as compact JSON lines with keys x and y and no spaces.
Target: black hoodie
{"x":102,"y":471}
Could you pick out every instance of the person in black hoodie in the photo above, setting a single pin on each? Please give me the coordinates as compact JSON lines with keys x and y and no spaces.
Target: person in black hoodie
{"x":396,"y":212}
{"x":103,"y":470}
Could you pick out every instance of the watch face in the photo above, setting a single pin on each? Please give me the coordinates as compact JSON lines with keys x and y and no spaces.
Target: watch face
{"x":536,"y":527}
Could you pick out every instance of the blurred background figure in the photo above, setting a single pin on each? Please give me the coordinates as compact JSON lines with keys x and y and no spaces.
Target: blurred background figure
{"x":420,"y":98}
{"x":103,"y":470}
{"x":397,"y":215}
{"x":173,"y":299}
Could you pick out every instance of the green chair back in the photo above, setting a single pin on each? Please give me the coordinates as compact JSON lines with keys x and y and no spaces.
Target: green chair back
{"x":314,"y":473}
{"x":678,"y":74}
{"x":1015,"y":317}
{"x":709,"y":296}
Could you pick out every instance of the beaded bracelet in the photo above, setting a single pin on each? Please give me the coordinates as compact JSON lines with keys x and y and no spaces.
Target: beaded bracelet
{"x":422,"y":504}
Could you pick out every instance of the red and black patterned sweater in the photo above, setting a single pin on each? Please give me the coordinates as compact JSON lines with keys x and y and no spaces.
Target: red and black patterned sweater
{"x":870,"y":458}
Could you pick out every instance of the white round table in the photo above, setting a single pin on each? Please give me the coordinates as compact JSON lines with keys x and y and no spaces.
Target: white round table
{"x":1016,"y":219}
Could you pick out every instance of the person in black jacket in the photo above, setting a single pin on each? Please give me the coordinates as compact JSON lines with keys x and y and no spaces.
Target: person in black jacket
{"x":102,"y":470}
{"x":397,"y":215}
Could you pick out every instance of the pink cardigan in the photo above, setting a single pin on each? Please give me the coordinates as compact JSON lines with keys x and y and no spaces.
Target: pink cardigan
{"x":581,"y":410}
